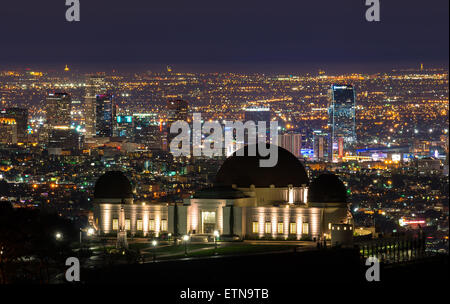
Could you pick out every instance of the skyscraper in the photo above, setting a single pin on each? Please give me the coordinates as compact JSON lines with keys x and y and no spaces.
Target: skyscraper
{"x":105,"y":115}
{"x":147,"y":130}
{"x":291,"y":142}
{"x":58,"y":105}
{"x":124,"y":126}
{"x":95,"y":86}
{"x":176,"y":110}
{"x":341,"y":119}
{"x":320,"y":145}
{"x":60,"y":136}
{"x":20,"y":115}
{"x":257,"y":114}
{"x":8,"y":130}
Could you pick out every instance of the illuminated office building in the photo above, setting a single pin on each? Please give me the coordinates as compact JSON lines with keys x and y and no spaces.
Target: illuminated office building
{"x":58,"y":106}
{"x":341,"y":119}
{"x":176,"y":110}
{"x":147,"y":130}
{"x":64,"y":141}
{"x":8,"y":130}
{"x":95,"y":86}
{"x":257,"y":114}
{"x":105,"y":115}
{"x":60,"y":137}
{"x":20,"y":115}
{"x":321,"y":142}
{"x":291,"y":142}
{"x":124,"y":126}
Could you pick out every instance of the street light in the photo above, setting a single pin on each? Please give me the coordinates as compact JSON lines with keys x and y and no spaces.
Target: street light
{"x":216,"y":236}
{"x":58,"y":236}
{"x":90,"y":231}
{"x":154,"y":243}
{"x":185,"y":239}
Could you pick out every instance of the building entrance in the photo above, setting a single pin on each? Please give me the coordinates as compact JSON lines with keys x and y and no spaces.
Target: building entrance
{"x":208,"y":222}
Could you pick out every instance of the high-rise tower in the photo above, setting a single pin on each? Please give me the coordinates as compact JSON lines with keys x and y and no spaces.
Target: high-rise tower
{"x":257,"y":114}
{"x":341,"y":119}
{"x":176,"y":110}
{"x":95,"y":86}
{"x":60,"y":135}
{"x":57,"y":107}
{"x":105,"y":115}
{"x":291,"y":142}
{"x":20,"y":115}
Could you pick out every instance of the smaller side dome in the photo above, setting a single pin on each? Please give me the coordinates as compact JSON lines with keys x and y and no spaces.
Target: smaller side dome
{"x":327,"y":188}
{"x":113,"y":185}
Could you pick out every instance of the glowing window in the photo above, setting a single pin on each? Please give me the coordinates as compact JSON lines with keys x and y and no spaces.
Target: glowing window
{"x":115,"y":224}
{"x":280,"y":228}
{"x":163,"y":225}
{"x":255,"y":227}
{"x":151,"y":225}
{"x":305,"y":228}
{"x":293,"y":228}
{"x":139,"y":225}
{"x":127,"y":224}
{"x":268,"y":227}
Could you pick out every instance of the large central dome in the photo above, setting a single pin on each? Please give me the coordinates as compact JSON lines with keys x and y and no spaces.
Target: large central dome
{"x":244,"y":171}
{"x":327,"y":188}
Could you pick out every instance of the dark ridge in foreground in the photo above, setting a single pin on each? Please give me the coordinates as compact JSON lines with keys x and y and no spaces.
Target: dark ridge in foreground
{"x":340,"y":266}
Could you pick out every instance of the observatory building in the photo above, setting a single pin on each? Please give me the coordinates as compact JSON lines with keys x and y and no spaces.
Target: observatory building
{"x":247,"y":200}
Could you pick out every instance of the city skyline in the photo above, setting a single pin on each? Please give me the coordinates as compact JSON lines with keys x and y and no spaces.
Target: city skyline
{"x":133,"y":147}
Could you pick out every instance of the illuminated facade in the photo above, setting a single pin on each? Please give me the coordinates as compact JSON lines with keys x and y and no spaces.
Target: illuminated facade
{"x":57,"y":107}
{"x":341,"y":115}
{"x":176,"y":110}
{"x":257,"y":114}
{"x":291,"y":142}
{"x":60,"y":136}
{"x":95,"y":86}
{"x":20,"y":116}
{"x":320,"y":145}
{"x":247,"y":201}
{"x":8,"y":129}
{"x":105,"y":115}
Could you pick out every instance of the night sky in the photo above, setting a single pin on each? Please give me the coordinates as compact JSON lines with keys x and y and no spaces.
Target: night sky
{"x":224,"y":34}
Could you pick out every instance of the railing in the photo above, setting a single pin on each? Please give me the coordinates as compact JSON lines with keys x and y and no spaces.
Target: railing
{"x":393,"y":250}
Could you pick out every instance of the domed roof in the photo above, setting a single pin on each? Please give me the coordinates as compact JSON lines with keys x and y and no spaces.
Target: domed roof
{"x":244,"y":171}
{"x":327,"y":188}
{"x":219,"y":192}
{"x":113,"y":184}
